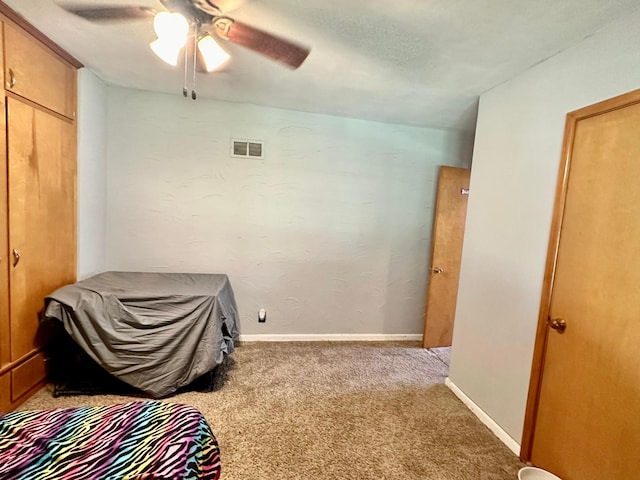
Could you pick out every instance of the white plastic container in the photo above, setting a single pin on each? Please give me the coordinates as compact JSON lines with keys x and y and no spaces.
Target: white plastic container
{"x":534,"y":473}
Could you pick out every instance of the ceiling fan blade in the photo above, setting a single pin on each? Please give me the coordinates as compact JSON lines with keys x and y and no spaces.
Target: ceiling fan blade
{"x":109,"y":14}
{"x":276,"y":48}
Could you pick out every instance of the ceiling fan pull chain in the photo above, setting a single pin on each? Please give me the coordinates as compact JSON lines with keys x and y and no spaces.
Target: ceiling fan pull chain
{"x":195,"y":59}
{"x":185,"y":91}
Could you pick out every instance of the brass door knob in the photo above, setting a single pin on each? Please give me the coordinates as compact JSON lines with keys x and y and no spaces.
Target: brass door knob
{"x":558,"y":324}
{"x":436,"y":270}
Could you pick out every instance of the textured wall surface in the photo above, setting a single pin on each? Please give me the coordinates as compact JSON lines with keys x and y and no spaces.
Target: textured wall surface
{"x":515,"y":167}
{"x":330,"y":233}
{"x":92,"y":173}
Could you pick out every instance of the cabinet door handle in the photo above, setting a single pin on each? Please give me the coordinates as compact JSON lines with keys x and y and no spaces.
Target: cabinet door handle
{"x":12,"y":79}
{"x":16,"y":257}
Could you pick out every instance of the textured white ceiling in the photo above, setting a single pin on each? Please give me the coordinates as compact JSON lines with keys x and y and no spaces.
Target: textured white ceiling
{"x":415,"y":62}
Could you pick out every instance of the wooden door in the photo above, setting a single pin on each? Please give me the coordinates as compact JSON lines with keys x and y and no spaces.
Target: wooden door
{"x":42,"y":179}
{"x":444,"y":273}
{"x":5,"y":356}
{"x":587,"y":425}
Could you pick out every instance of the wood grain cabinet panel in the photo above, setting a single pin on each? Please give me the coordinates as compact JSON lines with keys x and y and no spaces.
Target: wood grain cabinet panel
{"x":4,"y":238}
{"x":34,"y":73}
{"x":4,"y":247}
{"x":27,"y":375}
{"x":42,"y":202}
{"x":5,"y":392}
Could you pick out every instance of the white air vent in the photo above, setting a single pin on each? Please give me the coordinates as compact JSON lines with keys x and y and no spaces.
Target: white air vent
{"x":247,"y":148}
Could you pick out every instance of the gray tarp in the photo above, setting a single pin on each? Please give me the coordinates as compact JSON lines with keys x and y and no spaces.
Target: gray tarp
{"x":155,"y":331}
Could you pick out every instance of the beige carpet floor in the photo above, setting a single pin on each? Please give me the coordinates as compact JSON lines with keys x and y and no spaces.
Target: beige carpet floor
{"x":339,"y":411}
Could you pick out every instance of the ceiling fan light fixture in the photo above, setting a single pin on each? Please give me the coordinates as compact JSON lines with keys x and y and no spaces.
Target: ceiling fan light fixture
{"x":171,"y":26}
{"x":167,"y":50}
{"x":212,"y":53}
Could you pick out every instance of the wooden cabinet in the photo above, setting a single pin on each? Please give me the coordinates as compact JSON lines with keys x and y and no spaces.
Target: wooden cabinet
{"x":37,"y":197}
{"x":5,"y":341}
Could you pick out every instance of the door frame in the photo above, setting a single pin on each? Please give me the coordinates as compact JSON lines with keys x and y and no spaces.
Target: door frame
{"x":539,"y":351}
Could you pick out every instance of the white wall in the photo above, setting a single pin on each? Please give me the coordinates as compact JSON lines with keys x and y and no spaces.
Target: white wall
{"x":330,"y":233}
{"x":515,"y":166}
{"x":92,"y":173}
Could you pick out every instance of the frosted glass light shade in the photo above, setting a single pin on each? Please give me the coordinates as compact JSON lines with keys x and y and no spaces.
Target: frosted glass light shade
{"x":167,"y":50}
{"x":171,"y":26}
{"x":212,"y":53}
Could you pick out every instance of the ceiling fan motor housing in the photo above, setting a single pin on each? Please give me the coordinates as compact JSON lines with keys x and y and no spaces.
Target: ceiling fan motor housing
{"x":207,"y":6}
{"x":200,"y":11}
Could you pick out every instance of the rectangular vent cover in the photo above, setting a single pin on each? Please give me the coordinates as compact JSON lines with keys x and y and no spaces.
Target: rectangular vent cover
{"x":247,"y":148}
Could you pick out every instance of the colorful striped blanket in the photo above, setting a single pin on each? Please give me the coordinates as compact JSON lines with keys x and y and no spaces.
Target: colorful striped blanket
{"x":133,"y":441}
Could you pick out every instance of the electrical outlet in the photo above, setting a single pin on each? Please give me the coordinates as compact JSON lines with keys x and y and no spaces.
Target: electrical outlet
{"x":262,"y":315}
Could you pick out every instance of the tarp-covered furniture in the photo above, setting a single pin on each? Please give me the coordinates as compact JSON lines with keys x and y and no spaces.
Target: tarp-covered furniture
{"x":138,"y":440}
{"x":157,"y":332}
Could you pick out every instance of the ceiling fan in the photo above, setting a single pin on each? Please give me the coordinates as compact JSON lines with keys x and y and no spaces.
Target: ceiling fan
{"x":199,"y":21}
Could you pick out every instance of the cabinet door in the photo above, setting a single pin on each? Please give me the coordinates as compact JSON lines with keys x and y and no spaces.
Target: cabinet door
{"x":35,"y":73}
{"x":5,"y":392}
{"x":4,"y":246}
{"x":42,"y":218}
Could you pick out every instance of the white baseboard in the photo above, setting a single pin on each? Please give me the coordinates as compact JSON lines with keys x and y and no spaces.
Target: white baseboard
{"x":484,"y":418}
{"x":332,"y":337}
